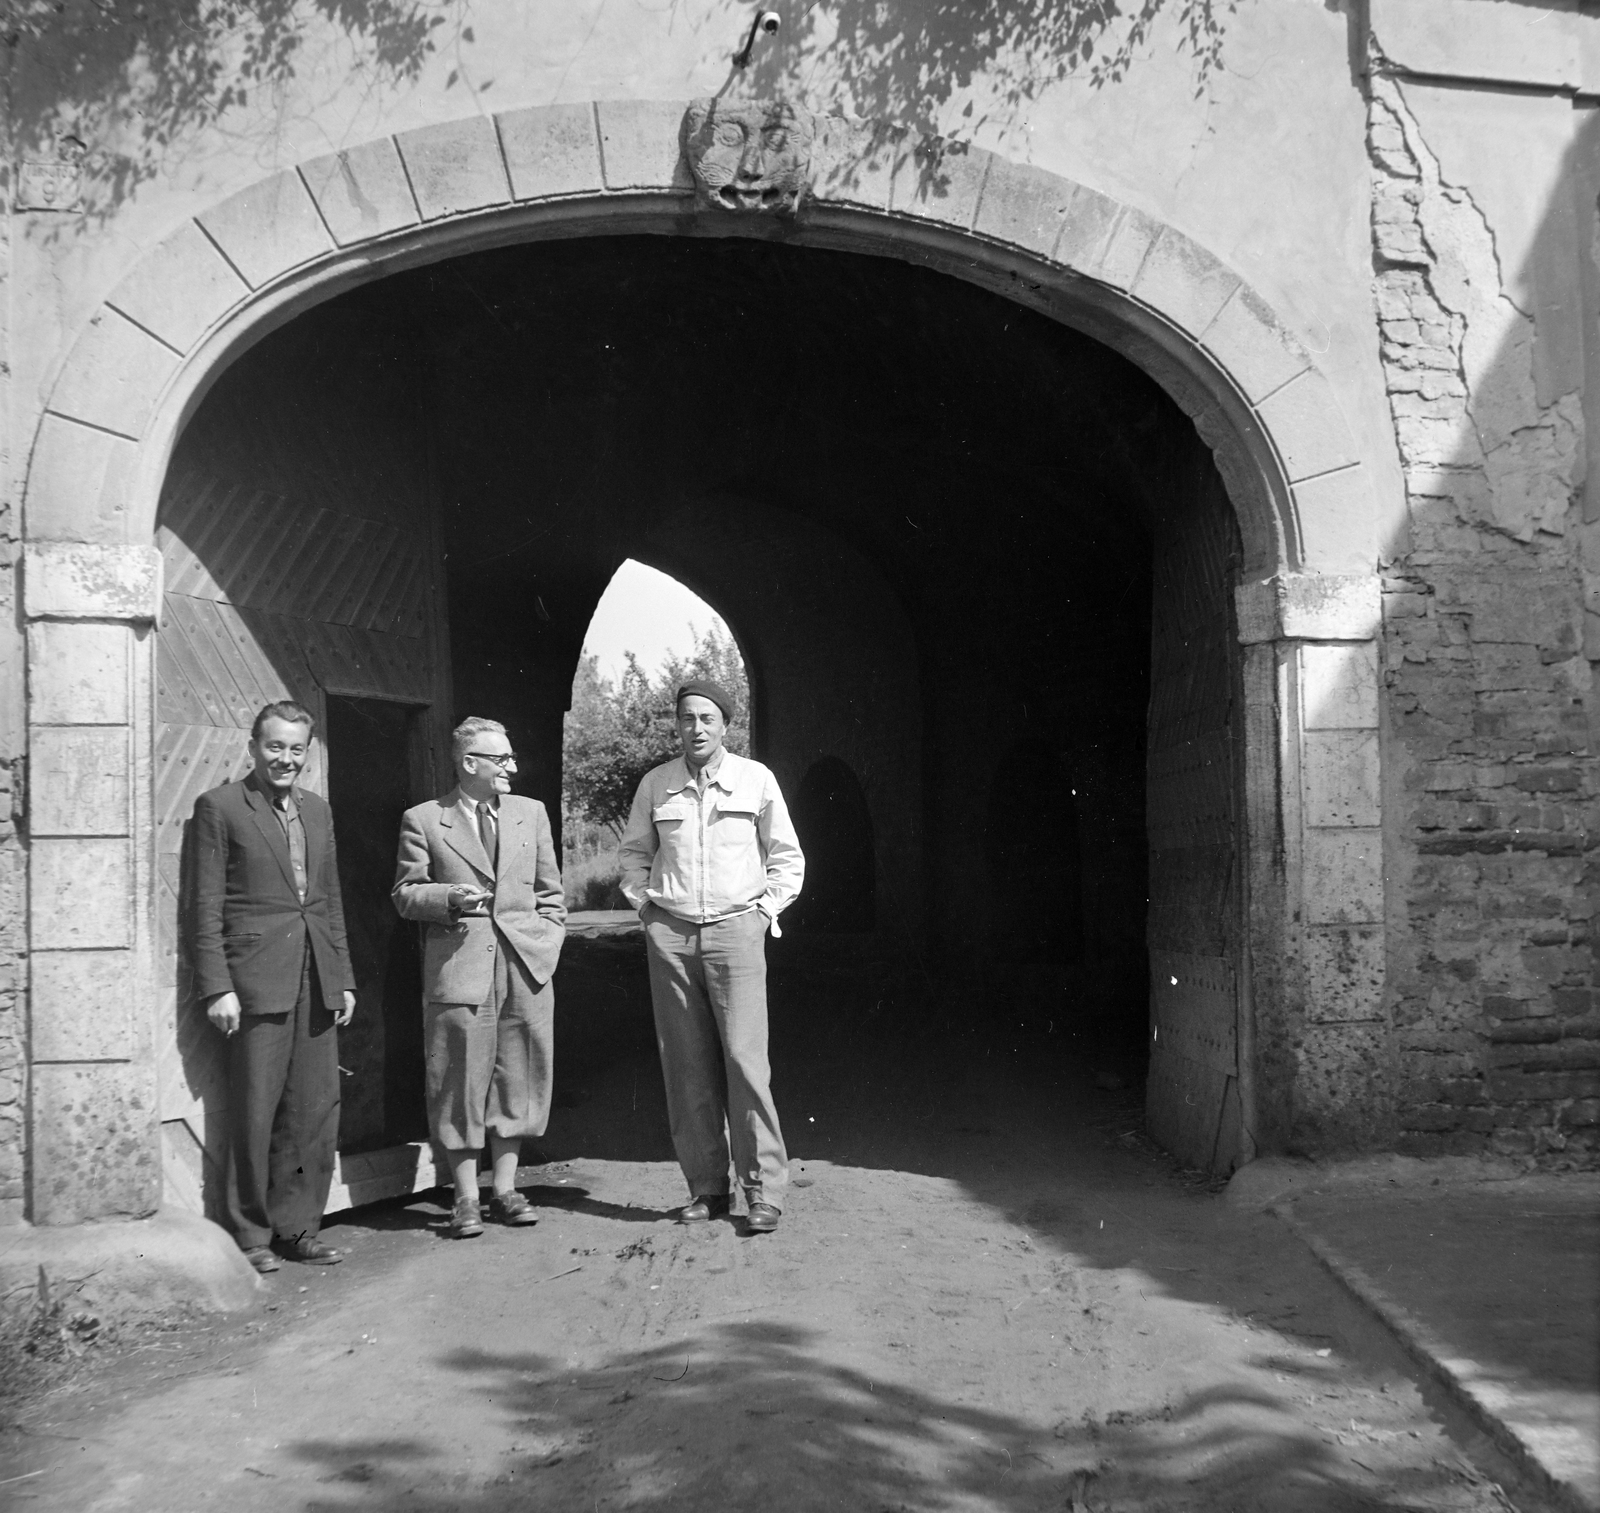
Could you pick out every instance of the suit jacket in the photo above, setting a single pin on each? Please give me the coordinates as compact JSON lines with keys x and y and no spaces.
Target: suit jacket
{"x":247,"y":927}
{"x":439,"y":847}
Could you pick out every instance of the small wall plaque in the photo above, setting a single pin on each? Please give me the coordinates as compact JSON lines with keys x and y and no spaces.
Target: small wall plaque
{"x":50,"y":186}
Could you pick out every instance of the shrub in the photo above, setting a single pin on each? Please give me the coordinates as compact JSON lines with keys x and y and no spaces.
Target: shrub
{"x":594,"y":883}
{"x":41,"y":1336}
{"x":615,"y":733}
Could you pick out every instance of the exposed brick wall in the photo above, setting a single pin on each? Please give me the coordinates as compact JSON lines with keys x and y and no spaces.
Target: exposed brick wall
{"x":1489,"y":749}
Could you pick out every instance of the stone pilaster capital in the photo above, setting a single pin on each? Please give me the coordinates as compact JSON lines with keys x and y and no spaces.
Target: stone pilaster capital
{"x":71,"y":580}
{"x":1309,"y":607}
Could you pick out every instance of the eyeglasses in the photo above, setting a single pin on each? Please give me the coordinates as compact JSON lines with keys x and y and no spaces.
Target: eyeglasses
{"x":502,"y":762}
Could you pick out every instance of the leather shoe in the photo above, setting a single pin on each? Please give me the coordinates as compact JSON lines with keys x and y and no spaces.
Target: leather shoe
{"x":762,"y":1218}
{"x":711,"y":1206}
{"x":466,"y":1219}
{"x":512,"y":1208}
{"x":310,"y":1249}
{"x":262,"y":1258}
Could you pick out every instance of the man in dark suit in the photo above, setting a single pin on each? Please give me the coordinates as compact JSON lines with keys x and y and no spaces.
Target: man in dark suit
{"x":478,"y":868}
{"x":268,"y":943}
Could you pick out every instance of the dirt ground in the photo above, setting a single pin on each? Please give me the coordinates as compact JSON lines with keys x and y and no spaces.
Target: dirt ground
{"x":988,"y":1292}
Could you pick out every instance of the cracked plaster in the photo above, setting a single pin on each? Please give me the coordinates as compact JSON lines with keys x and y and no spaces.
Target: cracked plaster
{"x":1461,"y":352}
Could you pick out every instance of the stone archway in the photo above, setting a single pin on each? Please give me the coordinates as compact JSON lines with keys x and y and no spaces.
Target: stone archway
{"x":1307,"y":598}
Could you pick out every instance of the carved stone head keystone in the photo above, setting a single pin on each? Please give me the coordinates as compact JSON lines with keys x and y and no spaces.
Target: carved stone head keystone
{"x":751,"y":156}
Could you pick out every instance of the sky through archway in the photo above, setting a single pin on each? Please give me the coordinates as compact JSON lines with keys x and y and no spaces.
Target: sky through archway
{"x":648,"y":613}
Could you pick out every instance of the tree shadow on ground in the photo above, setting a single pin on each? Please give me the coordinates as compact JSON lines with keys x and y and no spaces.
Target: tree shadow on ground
{"x":1012,"y":1116}
{"x":757,"y":1415}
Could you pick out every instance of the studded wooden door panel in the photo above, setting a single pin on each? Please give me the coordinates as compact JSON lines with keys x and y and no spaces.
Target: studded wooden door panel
{"x":266,"y":597}
{"x":1195,"y":918}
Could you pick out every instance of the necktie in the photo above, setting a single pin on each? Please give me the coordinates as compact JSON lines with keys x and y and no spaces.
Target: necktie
{"x":488,"y":834}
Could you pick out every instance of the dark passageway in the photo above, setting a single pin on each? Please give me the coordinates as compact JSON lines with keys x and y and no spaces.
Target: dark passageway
{"x":925,"y":512}
{"x":932,"y":518}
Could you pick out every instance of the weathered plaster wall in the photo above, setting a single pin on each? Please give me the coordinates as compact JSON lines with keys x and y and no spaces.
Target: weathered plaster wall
{"x":1482,"y":224}
{"x":1261,"y":161}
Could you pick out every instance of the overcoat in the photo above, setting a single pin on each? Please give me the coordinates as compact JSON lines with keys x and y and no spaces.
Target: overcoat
{"x":439,"y":848}
{"x":249,"y":927}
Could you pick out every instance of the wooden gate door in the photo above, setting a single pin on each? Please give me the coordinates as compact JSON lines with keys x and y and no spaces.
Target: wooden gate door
{"x":268,"y":597}
{"x":1195,"y":923}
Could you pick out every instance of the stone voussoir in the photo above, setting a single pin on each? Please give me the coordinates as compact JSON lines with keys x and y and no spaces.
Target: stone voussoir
{"x":1253,"y":346}
{"x":268,"y":228}
{"x":853,"y":162}
{"x":641,"y":145}
{"x":78,"y":483}
{"x":1024,"y":206}
{"x":1123,"y":257}
{"x":1307,"y":427}
{"x":1337,"y":533}
{"x":1184,"y":282}
{"x":940,"y":181}
{"x":180,"y":288}
{"x":551,"y":151}
{"x":362,"y":192}
{"x":113,"y":375}
{"x":455,"y":166}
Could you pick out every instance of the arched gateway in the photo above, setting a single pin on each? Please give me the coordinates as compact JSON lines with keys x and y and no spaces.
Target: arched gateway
{"x":1243,"y":1055}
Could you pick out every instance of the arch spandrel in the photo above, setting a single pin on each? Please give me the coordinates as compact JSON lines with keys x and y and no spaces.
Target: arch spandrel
{"x":220,"y":281}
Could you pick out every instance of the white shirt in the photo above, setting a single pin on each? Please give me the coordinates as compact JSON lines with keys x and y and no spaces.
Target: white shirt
{"x":471,"y":806}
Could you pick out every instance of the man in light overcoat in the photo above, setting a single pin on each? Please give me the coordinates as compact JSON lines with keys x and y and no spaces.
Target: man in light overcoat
{"x":478,"y":870}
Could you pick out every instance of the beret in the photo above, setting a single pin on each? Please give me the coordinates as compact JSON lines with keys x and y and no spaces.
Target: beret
{"x":706,"y":690}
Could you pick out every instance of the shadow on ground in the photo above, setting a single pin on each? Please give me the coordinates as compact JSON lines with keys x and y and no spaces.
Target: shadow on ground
{"x":750,"y":1415}
{"x":989,"y":1291}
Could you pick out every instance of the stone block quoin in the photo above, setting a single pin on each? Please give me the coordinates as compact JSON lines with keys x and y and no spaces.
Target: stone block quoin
{"x":85,"y":605}
{"x":1343,"y":1048}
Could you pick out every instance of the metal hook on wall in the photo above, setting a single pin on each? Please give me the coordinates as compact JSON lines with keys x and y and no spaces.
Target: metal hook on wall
{"x":765,"y":24}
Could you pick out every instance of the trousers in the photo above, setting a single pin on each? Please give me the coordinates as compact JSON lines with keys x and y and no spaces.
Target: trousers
{"x":708,"y":989}
{"x":283,"y":1118}
{"x":490,"y":1065}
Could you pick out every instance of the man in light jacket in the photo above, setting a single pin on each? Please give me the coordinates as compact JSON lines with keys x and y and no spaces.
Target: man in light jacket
{"x":710,"y":859}
{"x":478,"y":868}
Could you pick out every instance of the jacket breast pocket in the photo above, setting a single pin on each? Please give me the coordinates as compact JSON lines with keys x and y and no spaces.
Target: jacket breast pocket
{"x":734,"y":821}
{"x":666,"y":816}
